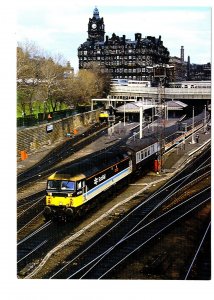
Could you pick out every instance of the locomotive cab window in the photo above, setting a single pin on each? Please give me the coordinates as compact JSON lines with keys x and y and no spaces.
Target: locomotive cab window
{"x":80,"y":185}
{"x":67,"y":185}
{"x":54,"y":184}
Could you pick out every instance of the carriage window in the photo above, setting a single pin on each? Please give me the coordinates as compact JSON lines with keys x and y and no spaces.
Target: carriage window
{"x":67,"y":185}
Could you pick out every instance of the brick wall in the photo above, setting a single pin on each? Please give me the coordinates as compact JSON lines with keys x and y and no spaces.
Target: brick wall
{"x":34,"y":138}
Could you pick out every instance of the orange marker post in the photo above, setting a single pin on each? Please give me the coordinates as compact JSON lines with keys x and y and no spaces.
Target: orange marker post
{"x":24,"y":155}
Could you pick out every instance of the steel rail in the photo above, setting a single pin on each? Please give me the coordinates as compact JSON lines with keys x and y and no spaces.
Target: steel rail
{"x":198,"y":249}
{"x":37,"y":247}
{"x":35,"y":232}
{"x":23,"y":211}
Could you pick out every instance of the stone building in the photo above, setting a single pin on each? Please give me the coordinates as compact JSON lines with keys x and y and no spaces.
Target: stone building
{"x":180,"y":68}
{"x":118,"y":56}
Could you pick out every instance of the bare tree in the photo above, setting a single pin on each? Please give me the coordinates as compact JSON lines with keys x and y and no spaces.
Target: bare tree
{"x":103,"y":79}
{"x":27,"y":74}
{"x":51,"y":76}
{"x":90,"y":83}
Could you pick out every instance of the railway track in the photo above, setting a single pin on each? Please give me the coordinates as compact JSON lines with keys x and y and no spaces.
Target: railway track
{"x":204,"y":268}
{"x":30,"y":213}
{"x":153,"y":202}
{"x":105,"y":262}
{"x":59,"y":154}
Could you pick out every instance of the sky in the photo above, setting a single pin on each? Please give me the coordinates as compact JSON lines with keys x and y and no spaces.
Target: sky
{"x":60,"y":26}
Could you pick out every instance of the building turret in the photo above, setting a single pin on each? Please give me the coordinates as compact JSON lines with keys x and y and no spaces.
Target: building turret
{"x":96,"y":27}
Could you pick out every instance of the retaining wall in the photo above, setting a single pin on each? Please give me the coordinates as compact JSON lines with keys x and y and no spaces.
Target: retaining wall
{"x":34,"y":138}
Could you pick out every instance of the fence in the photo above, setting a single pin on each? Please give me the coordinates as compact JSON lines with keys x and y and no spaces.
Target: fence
{"x":40,"y":118}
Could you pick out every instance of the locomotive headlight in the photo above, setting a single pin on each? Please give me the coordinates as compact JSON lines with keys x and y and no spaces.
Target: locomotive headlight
{"x":50,"y":194}
{"x":69,"y":195}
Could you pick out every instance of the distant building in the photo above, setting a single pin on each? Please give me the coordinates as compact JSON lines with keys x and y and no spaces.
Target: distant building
{"x":69,"y":71}
{"x":180,"y":68}
{"x":119,"y":56}
{"x":198,"y":72}
{"x":184,"y":70}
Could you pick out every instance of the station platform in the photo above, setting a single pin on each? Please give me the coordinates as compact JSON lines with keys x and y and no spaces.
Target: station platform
{"x":172,"y":159}
{"x":115,"y":134}
{"x":182,"y":153}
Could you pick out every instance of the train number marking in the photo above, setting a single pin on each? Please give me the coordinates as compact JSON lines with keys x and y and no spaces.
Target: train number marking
{"x":99,"y":179}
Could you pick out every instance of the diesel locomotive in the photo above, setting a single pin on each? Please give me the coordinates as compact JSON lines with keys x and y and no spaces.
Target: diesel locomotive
{"x":69,"y":189}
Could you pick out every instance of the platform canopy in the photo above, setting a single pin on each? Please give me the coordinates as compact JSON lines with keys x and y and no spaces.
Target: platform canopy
{"x":175,"y":105}
{"x":134,"y":107}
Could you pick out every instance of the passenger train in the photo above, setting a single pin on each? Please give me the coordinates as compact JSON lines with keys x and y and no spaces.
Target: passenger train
{"x":144,"y":83}
{"x":130,"y":82}
{"x":69,"y":189}
{"x":191,"y":84}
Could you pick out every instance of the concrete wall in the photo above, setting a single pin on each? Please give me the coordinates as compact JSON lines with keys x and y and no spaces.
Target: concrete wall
{"x":34,"y":138}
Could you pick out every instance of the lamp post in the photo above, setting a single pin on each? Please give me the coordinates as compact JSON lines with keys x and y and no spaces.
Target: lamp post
{"x":141,"y":122}
{"x":193,"y":125}
{"x":205,"y":119}
{"x":124,"y":114}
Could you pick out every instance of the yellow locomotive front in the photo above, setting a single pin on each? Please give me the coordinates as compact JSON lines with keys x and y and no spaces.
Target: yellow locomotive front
{"x":64,"y":194}
{"x":104,"y":115}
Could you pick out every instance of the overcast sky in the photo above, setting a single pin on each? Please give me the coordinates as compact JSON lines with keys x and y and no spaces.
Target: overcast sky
{"x":61,"y":26}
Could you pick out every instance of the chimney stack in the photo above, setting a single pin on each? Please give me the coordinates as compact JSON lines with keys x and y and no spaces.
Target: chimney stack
{"x":182,"y":53}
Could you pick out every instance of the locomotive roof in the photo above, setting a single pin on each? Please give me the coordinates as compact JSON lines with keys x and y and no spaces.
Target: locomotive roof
{"x":97,"y":163}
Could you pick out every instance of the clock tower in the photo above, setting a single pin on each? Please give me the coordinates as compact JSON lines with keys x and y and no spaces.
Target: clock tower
{"x":96,"y":27}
